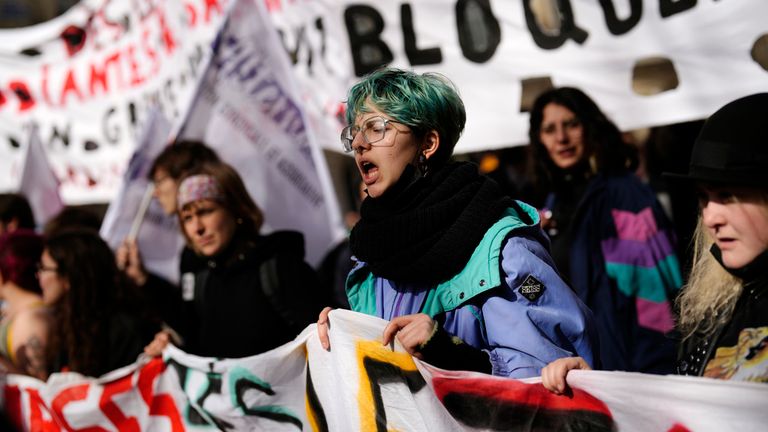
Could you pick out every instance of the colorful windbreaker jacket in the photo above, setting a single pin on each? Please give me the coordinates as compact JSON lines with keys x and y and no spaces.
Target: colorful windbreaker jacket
{"x":508,"y":301}
{"x":623,"y":266}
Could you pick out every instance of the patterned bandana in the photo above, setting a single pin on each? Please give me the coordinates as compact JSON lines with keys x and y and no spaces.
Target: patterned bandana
{"x":198,"y":187}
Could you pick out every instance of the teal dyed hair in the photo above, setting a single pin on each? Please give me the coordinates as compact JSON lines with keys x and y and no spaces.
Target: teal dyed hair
{"x":423,"y":102}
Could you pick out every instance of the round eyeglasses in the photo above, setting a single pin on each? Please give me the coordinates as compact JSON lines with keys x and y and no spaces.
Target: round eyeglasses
{"x":374,"y":129}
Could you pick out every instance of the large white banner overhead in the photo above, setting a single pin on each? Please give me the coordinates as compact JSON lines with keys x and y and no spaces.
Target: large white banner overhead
{"x":646,"y":62}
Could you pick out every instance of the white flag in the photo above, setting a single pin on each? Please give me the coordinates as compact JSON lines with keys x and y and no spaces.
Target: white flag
{"x":159,"y":238}
{"x":38,"y":181}
{"x":247,"y":109}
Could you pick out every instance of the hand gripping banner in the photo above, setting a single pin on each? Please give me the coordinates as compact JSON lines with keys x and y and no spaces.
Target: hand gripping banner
{"x":362,"y":385}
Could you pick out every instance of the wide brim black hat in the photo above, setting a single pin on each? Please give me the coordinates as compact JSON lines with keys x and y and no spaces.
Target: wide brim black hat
{"x":732,"y":147}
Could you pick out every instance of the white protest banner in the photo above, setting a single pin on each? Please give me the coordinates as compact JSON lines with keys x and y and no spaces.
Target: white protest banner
{"x":87,"y":79}
{"x":159,"y":239}
{"x":362,"y":385}
{"x":88,"y":76}
{"x":247,"y":109}
{"x":38,"y":181}
{"x":715,"y":52}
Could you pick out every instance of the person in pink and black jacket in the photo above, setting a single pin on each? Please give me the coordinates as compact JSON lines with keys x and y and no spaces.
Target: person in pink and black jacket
{"x":610,"y":237}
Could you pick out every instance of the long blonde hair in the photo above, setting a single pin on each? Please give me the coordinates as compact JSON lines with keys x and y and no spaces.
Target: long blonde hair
{"x":708,"y":298}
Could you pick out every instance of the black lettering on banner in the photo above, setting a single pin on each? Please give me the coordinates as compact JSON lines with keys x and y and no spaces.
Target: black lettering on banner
{"x":415,"y":55}
{"x":13,"y":142}
{"x":112,"y":134}
{"x":479,"y":30}
{"x":214,"y":387}
{"x":62,"y":136}
{"x":303,"y":42}
{"x":380,"y":372}
{"x":90,"y":145}
{"x":194,"y":59}
{"x":568,"y":27}
{"x":132,"y":113}
{"x":364,"y":27}
{"x":477,"y":411}
{"x":618,"y":26}
{"x":242,"y":385}
{"x":315,"y":407}
{"x":169,"y":96}
{"x":321,"y":28}
{"x":194,"y":417}
{"x":667,"y":8}
{"x":293,"y":53}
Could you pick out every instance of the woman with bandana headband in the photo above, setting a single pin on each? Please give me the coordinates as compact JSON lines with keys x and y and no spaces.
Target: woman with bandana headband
{"x":244,"y":282}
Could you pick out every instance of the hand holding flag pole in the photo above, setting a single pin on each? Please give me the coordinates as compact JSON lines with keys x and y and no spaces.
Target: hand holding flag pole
{"x":139,"y":218}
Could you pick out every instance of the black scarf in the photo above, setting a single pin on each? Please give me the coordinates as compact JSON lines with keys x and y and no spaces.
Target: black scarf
{"x":424,"y":230}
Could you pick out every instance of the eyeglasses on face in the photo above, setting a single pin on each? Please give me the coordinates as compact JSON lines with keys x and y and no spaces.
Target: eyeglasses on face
{"x":41,"y":268}
{"x":374,"y":129}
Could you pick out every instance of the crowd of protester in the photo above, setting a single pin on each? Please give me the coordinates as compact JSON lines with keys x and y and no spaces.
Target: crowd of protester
{"x":469,"y":277}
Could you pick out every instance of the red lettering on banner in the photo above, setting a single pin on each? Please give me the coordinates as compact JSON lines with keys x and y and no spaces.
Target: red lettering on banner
{"x":151,"y":53}
{"x":36,"y":420}
{"x":70,"y":85}
{"x":44,"y":86}
{"x":2,"y":99}
{"x":112,"y":411}
{"x":100,"y":74}
{"x":273,"y":5}
{"x":191,"y":15}
{"x":136,"y":78}
{"x":26,"y":101}
{"x":168,"y":42}
{"x":159,"y":405}
{"x":72,"y":394}
{"x":210,"y":5}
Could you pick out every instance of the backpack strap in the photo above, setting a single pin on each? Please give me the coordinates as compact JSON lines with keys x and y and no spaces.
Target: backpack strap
{"x":270,"y":286}
{"x":201,"y":278}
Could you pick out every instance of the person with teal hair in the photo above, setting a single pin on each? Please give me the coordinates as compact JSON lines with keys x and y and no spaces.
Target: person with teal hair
{"x":461,"y":271}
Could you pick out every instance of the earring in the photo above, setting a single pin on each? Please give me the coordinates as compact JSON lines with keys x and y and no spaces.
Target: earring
{"x":423,"y":166}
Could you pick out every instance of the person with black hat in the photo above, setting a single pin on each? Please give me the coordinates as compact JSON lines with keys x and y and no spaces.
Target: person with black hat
{"x":723,"y":308}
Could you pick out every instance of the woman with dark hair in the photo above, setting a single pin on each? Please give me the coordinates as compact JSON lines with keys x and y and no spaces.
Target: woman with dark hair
{"x":461,"y":271}
{"x":248,"y":293}
{"x":610,"y":237}
{"x":724,"y":305}
{"x":95,"y":329}
{"x":24,"y":326}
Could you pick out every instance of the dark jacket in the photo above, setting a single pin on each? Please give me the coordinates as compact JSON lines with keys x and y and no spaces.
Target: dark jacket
{"x":736,"y":350}
{"x":622,"y":264}
{"x":255,"y":296}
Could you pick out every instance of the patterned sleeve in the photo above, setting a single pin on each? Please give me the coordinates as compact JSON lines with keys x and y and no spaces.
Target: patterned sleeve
{"x":640,"y":260}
